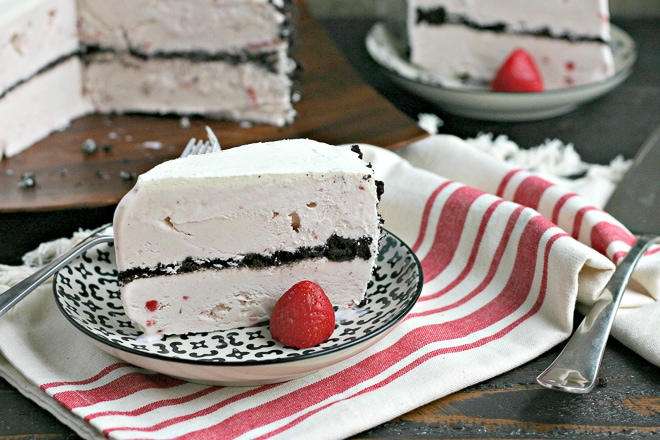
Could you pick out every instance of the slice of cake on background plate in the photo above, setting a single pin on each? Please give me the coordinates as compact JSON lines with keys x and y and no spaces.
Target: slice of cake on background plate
{"x":467,"y":41}
{"x":211,"y":242}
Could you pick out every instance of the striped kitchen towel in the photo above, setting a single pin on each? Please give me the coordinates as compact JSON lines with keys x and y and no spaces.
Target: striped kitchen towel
{"x":505,"y":256}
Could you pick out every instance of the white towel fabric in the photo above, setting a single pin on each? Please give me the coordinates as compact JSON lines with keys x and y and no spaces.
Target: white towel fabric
{"x":505,"y":254}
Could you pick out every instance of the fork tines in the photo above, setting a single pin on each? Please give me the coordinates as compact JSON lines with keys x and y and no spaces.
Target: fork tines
{"x":196,"y":147}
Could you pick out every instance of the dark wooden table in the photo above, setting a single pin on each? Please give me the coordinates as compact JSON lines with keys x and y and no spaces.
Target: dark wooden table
{"x":626,"y":404}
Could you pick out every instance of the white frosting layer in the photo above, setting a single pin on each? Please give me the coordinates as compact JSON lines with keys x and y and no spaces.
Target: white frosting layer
{"x":123,"y":83}
{"x":479,"y":54}
{"x":34,"y":33}
{"x":259,"y":198}
{"x":55,"y":98}
{"x":220,"y":300}
{"x":459,"y":51}
{"x":578,"y":17}
{"x":280,"y":195}
{"x":152,"y":26}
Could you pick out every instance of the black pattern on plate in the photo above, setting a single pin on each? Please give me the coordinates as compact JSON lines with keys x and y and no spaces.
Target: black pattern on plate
{"x":87,"y":293}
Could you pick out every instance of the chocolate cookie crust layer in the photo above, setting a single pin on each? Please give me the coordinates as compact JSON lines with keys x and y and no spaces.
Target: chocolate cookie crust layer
{"x":335,"y":249}
{"x":439,"y":16}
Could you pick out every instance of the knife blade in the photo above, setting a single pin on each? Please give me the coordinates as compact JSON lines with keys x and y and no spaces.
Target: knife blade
{"x":636,"y":200}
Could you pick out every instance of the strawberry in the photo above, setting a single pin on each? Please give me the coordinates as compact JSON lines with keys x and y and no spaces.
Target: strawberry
{"x":518,"y":74}
{"x":303,"y":317}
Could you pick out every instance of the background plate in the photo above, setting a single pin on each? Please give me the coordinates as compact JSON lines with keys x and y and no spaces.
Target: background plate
{"x":388,"y":47}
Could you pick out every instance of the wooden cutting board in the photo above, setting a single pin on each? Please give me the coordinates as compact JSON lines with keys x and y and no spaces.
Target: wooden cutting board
{"x":336,"y":107}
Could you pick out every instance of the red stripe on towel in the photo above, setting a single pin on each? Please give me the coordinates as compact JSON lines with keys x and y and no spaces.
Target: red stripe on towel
{"x":156,"y":405}
{"x":425,"y":215}
{"x":187,"y":417}
{"x":556,"y":210}
{"x":505,"y":182}
{"x":579,"y":218}
{"x":107,"y":370}
{"x":492,"y":270}
{"x":121,"y":387}
{"x":530,"y":191}
{"x":448,"y":231}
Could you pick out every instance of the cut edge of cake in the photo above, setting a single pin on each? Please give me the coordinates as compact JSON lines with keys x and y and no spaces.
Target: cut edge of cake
{"x":468,"y":42}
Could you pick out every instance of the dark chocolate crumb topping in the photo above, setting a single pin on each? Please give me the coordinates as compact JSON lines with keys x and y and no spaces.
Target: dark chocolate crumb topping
{"x":440,"y":16}
{"x":356,"y":149}
{"x":380,"y":189}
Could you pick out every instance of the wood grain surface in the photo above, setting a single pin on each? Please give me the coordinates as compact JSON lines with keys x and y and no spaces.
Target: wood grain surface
{"x":336,"y":107}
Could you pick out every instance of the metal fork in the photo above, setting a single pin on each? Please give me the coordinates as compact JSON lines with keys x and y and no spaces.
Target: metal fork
{"x":575,"y":370}
{"x":12,"y":296}
{"x":196,"y":147}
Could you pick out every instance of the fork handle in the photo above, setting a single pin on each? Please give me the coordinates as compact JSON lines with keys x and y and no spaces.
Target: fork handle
{"x":576,"y":367}
{"x":12,"y":296}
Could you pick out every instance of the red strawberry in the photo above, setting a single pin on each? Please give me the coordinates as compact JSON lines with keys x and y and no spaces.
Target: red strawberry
{"x":303,"y":317}
{"x":518,"y":74}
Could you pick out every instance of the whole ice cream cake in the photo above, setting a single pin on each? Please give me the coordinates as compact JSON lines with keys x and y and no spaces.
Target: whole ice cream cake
{"x":210,"y":242}
{"x":62,"y":59}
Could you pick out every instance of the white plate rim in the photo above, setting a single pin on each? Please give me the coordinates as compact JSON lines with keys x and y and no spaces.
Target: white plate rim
{"x":337,"y":350}
{"x":386,"y":49}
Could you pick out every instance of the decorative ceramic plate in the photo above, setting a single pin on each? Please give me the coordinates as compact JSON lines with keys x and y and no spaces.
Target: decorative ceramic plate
{"x":87,"y":293}
{"x":388,"y":48}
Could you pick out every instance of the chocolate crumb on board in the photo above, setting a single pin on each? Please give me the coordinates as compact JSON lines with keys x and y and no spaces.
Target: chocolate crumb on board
{"x":89,"y":146}
{"x":127,"y":175}
{"x":27,"y":181}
